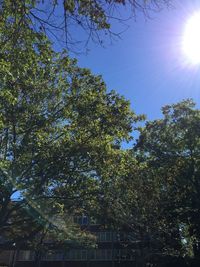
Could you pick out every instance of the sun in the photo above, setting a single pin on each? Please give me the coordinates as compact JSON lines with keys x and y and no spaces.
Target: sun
{"x":191,"y":39}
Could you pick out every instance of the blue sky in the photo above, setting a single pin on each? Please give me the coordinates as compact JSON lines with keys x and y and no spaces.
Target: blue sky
{"x":147,"y":66}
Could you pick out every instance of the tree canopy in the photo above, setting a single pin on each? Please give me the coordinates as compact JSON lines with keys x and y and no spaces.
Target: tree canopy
{"x":77,"y":22}
{"x":170,"y":146}
{"x":61,"y":136}
{"x":58,"y":128}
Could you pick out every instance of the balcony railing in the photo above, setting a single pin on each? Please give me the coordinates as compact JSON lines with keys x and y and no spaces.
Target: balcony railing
{"x":82,"y":255}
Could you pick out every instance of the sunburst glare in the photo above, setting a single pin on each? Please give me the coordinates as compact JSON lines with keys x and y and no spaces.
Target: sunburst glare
{"x":191,"y":39}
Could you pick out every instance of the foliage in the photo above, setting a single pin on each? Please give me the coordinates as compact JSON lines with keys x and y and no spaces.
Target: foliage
{"x":60,"y":146}
{"x":171,"y":148}
{"x":93,"y":19}
{"x":58,"y":126}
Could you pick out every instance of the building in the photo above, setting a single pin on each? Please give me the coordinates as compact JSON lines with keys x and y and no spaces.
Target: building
{"x":113,"y":249}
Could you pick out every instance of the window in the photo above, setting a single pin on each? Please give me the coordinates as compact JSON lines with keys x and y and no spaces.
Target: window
{"x":76,"y":254}
{"x":81,"y":220}
{"x":25,"y":255}
{"x":53,"y":255}
{"x":101,"y":254}
{"x":104,"y":236}
{"x":84,"y":254}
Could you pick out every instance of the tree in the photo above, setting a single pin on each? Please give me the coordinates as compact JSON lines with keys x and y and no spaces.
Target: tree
{"x":134,"y":196}
{"x":93,"y":19}
{"x":156,"y":191}
{"x":57,"y":127}
{"x":171,"y":148}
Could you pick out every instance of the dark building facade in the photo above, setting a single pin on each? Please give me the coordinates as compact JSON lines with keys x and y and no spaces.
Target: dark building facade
{"x":113,"y":249}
